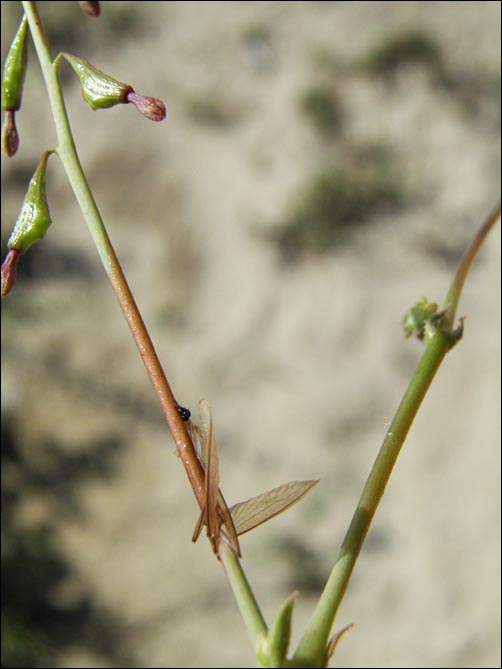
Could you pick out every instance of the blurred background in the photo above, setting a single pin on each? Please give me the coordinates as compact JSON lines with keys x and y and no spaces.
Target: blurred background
{"x":322,"y":166}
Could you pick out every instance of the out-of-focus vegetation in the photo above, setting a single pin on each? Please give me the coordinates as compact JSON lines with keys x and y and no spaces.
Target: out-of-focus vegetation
{"x":38,"y":621}
{"x":405,"y":49}
{"x":344,"y":194}
{"x":211,"y":110}
{"x":322,"y":108}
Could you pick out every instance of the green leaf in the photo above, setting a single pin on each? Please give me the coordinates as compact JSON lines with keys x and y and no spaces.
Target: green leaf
{"x":274,"y":646}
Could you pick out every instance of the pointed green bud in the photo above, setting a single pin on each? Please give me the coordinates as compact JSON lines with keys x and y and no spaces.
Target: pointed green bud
{"x":15,"y":69}
{"x":14,"y":72}
{"x":99,"y":90}
{"x":34,"y":218}
{"x":274,"y":647}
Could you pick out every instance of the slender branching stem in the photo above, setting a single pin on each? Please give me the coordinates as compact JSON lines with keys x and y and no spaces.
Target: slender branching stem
{"x":246,"y":601}
{"x":67,"y":152}
{"x":69,"y":157}
{"x":311,"y":649}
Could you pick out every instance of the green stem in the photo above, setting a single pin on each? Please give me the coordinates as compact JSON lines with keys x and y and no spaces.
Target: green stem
{"x":71,"y":163}
{"x":453,"y":296}
{"x":246,"y":601}
{"x":69,"y":157}
{"x":311,"y":649}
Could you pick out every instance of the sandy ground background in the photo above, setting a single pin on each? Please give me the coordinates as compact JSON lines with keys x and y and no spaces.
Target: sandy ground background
{"x":297,"y":346}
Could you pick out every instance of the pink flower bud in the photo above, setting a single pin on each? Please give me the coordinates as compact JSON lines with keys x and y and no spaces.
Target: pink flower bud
{"x":151,"y":108}
{"x":9,"y":271}
{"x":90,"y":8}
{"x":10,"y":137}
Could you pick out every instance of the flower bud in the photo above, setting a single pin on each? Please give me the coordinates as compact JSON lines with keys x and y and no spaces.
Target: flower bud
{"x":12,"y":87}
{"x":34,"y":217}
{"x":90,"y":8}
{"x":152,"y":108}
{"x":10,"y":136}
{"x":416,"y":318}
{"x":99,"y":90}
{"x":9,"y":271}
{"x":15,"y":69}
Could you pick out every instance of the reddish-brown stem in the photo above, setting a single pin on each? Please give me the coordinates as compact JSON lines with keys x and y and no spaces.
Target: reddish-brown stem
{"x":169,"y":405}
{"x":69,"y":157}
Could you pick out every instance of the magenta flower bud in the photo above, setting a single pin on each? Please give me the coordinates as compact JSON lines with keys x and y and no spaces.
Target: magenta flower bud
{"x":90,"y":8}
{"x":151,"y":108}
{"x":9,"y":271}
{"x":10,"y":136}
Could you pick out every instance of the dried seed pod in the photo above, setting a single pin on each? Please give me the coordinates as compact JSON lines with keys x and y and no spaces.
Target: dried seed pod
{"x":34,"y":218}
{"x":99,"y":90}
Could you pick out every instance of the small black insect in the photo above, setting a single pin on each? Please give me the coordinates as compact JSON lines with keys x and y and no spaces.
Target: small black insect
{"x":184,"y":413}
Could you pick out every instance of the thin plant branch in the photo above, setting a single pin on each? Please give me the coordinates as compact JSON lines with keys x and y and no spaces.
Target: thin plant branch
{"x":69,"y":157}
{"x":310,"y":651}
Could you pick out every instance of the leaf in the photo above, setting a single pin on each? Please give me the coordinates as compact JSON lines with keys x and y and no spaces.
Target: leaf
{"x":273,"y":647}
{"x":333,"y":642}
{"x":257,"y":510}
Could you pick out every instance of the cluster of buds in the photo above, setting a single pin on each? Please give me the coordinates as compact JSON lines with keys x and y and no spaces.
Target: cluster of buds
{"x":99,"y":90}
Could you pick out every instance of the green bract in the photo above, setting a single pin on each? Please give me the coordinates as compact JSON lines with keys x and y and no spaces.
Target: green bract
{"x":15,"y":69}
{"x":272,"y":649}
{"x":34,"y":217}
{"x":418,"y":316}
{"x":99,"y":90}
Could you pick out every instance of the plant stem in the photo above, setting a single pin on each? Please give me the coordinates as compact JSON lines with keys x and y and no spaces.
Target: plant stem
{"x":453,"y":296}
{"x":311,"y":649}
{"x":71,"y":163}
{"x":248,"y":606}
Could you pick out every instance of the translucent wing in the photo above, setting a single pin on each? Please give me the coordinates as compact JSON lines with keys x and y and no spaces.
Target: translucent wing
{"x":215,"y":513}
{"x":212,"y":474}
{"x":257,"y":510}
{"x":222,"y":522}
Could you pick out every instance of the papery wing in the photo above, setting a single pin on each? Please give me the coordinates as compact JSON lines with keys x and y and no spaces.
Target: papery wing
{"x":199,"y":526}
{"x":257,"y":510}
{"x":215,"y":514}
{"x":212,"y":470}
{"x":227,"y":527}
